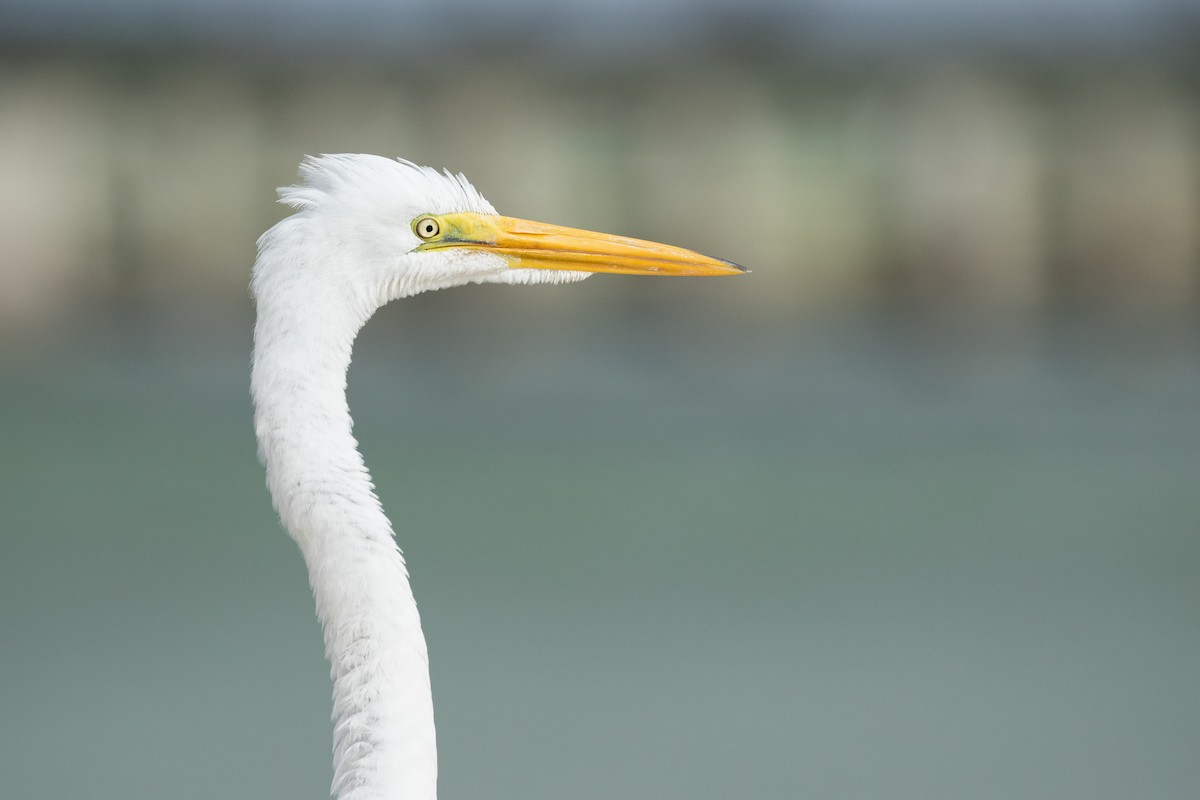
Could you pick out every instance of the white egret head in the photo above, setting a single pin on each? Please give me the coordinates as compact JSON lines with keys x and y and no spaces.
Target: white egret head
{"x":375,"y":229}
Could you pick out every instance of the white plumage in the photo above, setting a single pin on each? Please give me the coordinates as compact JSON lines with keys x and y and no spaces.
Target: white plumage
{"x":368,"y":230}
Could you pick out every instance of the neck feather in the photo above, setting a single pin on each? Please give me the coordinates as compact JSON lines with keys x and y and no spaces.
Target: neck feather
{"x":383,"y":738}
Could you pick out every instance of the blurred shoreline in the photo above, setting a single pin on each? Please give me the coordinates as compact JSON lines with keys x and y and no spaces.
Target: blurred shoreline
{"x":950,"y":185}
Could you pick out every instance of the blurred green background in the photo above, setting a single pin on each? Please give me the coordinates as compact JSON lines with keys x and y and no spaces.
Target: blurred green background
{"x":909,"y":512}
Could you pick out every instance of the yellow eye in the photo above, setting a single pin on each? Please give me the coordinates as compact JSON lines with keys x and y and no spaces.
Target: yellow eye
{"x":427,"y":227}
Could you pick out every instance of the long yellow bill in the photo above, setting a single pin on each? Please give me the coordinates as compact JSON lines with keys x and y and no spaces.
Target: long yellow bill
{"x":538,"y":245}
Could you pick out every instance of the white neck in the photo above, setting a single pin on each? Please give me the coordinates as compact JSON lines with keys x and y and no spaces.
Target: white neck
{"x":383,"y":740}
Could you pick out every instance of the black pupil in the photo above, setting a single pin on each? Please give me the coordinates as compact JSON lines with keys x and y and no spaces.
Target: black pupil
{"x":427,"y":227}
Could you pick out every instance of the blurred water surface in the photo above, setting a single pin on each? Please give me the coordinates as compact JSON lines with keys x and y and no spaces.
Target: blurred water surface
{"x":862,"y":557}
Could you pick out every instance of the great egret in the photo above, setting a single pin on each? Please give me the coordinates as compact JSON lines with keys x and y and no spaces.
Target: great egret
{"x":368,"y":230}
